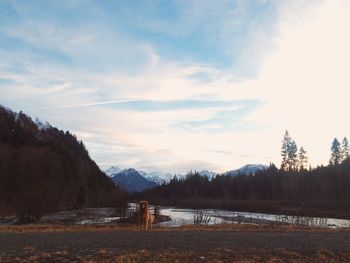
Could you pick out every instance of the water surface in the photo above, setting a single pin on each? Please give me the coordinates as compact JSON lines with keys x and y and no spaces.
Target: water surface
{"x":186,"y":216}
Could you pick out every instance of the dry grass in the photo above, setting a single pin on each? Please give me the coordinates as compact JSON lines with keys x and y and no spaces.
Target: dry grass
{"x":103,"y":255}
{"x":129,"y":227}
{"x":224,"y":255}
{"x":30,"y":228}
{"x":258,"y":227}
{"x":215,"y":256}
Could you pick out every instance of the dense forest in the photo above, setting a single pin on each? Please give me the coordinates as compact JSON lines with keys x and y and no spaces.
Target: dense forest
{"x":44,"y":169}
{"x":292,"y":189}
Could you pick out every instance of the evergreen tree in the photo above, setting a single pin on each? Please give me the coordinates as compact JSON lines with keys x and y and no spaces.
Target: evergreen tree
{"x":345,"y":149}
{"x":303,"y":160}
{"x":289,"y":153}
{"x":284,"y":150}
{"x":293,"y":156}
{"x":336,"y":155}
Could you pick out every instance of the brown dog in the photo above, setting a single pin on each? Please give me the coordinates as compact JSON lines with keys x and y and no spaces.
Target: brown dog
{"x":146,"y":218}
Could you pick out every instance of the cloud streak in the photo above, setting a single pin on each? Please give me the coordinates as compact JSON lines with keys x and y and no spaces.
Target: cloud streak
{"x":146,"y":87}
{"x":84,"y":104}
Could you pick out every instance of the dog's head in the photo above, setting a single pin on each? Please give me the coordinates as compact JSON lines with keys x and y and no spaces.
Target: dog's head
{"x":143,"y":205}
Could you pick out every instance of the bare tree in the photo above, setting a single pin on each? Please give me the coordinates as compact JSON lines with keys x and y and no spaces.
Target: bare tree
{"x":201,"y":217}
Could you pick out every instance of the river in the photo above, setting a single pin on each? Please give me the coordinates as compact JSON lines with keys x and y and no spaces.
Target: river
{"x":215,"y":216}
{"x":181,"y":217}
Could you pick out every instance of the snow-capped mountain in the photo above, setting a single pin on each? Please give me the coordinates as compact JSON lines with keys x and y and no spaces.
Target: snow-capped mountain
{"x":247,"y":169}
{"x":207,"y":173}
{"x":154,"y":176}
{"x":159,"y":177}
{"x":132,"y":181}
{"x":112,"y":171}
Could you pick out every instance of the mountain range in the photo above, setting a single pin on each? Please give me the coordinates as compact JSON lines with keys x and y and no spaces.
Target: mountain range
{"x":133,"y":180}
{"x":247,"y":169}
{"x":154,"y":176}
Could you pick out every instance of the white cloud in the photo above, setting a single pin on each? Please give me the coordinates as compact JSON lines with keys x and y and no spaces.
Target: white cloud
{"x":304,"y":82}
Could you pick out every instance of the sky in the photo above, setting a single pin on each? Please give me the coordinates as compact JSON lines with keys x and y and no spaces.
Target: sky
{"x":183,"y":85}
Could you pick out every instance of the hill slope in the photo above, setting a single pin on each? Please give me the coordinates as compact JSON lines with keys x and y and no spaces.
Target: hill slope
{"x":44,"y":169}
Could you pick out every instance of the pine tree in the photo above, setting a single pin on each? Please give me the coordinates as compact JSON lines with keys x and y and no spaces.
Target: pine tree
{"x":289,"y":153}
{"x":284,"y":150}
{"x":345,"y":149}
{"x":336,"y":155}
{"x":293,"y":156}
{"x":303,"y":160}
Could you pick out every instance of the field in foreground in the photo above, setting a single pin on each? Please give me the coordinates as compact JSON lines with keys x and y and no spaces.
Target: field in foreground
{"x":225,"y":243}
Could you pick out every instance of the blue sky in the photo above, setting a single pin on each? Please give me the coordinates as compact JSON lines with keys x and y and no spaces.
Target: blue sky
{"x":113,"y":35}
{"x":179,"y":85}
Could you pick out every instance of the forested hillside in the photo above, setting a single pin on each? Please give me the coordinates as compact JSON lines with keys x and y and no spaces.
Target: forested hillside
{"x":321,"y":191}
{"x":43,"y":169}
{"x":294,"y":188}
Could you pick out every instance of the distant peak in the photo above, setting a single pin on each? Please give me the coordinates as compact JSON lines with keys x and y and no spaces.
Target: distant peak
{"x":247,"y":169}
{"x":112,"y":170}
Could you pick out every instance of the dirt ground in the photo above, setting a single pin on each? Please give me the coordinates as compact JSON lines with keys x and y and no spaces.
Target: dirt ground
{"x":189,"y":244}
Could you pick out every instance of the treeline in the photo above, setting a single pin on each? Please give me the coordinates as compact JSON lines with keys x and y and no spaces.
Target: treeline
{"x":292,"y":188}
{"x":323,"y":184}
{"x":44,"y":169}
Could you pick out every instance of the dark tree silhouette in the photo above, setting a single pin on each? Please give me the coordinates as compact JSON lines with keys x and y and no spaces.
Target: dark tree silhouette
{"x":289,"y":153}
{"x":336,"y":155}
{"x":302,"y":159}
{"x":345,"y":148}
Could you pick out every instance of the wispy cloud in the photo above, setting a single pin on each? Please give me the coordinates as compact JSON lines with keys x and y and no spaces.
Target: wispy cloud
{"x":85,"y":104}
{"x":157,"y":84}
{"x":268,"y":157}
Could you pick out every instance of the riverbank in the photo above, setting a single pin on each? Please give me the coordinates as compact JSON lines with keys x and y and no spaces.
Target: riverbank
{"x":175,"y":217}
{"x":87,"y":216}
{"x":304,"y":209}
{"x":54,"y":228}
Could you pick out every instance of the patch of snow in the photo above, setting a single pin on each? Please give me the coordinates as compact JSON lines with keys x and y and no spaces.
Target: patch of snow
{"x":112,"y":171}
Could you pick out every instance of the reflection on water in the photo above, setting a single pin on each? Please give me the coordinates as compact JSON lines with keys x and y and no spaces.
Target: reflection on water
{"x":83,"y":216}
{"x":103,"y":220}
{"x":185,"y":216}
{"x":181,"y":217}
